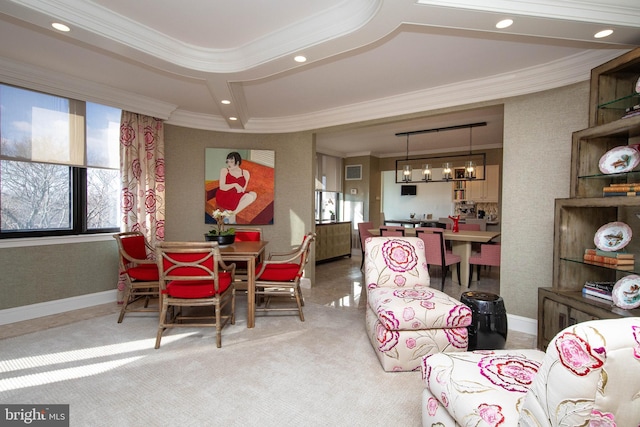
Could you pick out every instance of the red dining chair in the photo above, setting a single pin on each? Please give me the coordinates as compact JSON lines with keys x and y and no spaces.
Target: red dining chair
{"x":280,"y":275}
{"x":436,"y":251}
{"x":363,"y":233}
{"x":140,"y":273}
{"x":391,"y":231}
{"x":489,"y":256}
{"x":193,"y":274}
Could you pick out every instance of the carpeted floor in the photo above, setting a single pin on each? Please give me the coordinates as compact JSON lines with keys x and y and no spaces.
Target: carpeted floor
{"x":283,"y":372}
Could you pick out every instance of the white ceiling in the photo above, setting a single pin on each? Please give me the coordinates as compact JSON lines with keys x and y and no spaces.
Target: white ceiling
{"x":375,"y":67}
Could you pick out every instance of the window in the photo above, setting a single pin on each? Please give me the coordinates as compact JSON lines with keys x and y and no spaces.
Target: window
{"x":59,"y":165}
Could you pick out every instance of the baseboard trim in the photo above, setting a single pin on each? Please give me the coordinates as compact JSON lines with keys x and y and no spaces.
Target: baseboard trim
{"x":33,"y":311}
{"x":522,"y":324}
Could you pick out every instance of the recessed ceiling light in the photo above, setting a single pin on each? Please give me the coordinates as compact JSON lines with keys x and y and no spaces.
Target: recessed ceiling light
{"x":300,"y":58}
{"x":504,"y":23}
{"x":233,"y":118}
{"x":225,"y":102}
{"x":603,"y":33}
{"x":61,"y":27}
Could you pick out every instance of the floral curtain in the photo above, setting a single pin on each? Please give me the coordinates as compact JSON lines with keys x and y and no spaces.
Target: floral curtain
{"x":142,"y":178}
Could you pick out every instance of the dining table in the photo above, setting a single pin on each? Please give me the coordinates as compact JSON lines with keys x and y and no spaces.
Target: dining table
{"x":248,"y":251}
{"x":460,"y":245}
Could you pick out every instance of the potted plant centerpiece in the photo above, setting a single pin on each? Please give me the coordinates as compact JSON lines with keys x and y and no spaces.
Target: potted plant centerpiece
{"x":221,"y":234}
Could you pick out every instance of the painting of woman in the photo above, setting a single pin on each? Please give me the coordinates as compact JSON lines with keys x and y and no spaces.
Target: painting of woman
{"x":232,"y":194}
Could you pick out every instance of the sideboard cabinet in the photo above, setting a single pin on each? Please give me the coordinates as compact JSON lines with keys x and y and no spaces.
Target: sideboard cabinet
{"x":579,"y":217}
{"x":333,"y":240}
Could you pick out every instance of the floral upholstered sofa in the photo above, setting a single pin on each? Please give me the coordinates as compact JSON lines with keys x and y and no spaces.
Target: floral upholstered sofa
{"x":589,"y":376}
{"x":405,"y":318}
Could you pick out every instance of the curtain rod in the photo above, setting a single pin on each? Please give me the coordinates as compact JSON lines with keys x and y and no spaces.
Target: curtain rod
{"x":415,"y":132}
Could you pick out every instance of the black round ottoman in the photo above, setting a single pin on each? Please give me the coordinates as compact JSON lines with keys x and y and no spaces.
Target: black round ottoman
{"x":488,"y":328}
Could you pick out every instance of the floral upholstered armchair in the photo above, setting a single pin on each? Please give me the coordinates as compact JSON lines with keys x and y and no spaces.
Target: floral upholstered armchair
{"x":405,"y":318}
{"x":589,"y":376}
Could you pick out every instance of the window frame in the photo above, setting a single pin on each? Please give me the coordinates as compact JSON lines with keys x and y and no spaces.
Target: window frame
{"x":77,"y":186}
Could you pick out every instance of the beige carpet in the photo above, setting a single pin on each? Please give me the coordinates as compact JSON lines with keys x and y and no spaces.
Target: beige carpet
{"x":283,"y":372}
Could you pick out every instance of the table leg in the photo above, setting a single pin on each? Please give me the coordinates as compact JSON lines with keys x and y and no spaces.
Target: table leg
{"x":251,"y":292}
{"x":463,"y":250}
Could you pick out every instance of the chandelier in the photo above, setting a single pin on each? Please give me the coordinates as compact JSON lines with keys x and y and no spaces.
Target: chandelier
{"x":458,"y":167}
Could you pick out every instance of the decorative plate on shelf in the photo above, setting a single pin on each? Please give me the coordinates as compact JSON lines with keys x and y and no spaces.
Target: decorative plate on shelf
{"x":613,"y":236}
{"x":619,"y":160}
{"x":626,"y":292}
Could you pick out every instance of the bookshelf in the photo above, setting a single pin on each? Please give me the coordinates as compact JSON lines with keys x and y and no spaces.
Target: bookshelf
{"x":578,"y":217}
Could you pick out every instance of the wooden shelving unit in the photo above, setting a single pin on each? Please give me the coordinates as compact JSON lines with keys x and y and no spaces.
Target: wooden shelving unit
{"x":579,"y":217}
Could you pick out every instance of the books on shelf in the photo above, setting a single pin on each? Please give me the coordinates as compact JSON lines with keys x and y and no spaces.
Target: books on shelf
{"x":609,"y":260}
{"x":619,"y":188}
{"x":622,"y":189}
{"x":601,"y":290}
{"x":621,"y":194}
{"x":618,"y":254}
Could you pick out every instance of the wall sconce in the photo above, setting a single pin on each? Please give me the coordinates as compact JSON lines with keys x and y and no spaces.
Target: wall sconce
{"x":469,"y":170}
{"x":406,"y":173}
{"x":426,"y":172}
{"x":446,"y":171}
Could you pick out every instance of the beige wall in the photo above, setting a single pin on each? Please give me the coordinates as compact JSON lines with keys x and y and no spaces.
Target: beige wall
{"x":294,"y":186}
{"x":36,"y":274}
{"x":537,"y":160}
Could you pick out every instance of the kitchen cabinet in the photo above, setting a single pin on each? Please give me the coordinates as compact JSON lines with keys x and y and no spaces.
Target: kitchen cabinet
{"x":486,"y":190}
{"x":579,"y":217}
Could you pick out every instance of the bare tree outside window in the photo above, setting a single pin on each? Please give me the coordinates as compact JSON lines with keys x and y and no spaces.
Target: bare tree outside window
{"x":35,"y":196}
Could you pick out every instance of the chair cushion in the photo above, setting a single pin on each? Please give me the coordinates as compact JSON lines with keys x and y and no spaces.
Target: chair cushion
{"x":144,"y":272}
{"x":279,"y":272}
{"x":417,"y":308}
{"x":197,"y":288}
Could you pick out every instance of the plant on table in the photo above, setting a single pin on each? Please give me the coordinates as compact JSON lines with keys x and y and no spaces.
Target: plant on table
{"x":220,"y":228}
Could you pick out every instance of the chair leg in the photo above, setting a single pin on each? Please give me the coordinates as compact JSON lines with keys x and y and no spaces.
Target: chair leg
{"x":125,"y":303}
{"x":298,"y":300}
{"x":445,"y":270}
{"x":161,"y":325}
{"x":233,"y":307}
{"x":218,"y":324}
{"x":459,"y":278}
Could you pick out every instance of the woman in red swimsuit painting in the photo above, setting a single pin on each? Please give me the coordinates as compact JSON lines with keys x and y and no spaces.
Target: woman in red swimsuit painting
{"x":232,"y":194}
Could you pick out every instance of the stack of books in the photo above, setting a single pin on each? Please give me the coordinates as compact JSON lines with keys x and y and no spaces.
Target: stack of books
{"x":625,"y":189}
{"x":619,"y":260}
{"x":601,"y":290}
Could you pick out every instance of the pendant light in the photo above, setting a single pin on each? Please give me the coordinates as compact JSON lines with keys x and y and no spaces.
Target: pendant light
{"x":469,"y":165}
{"x":426,"y":172}
{"x":407,"y":172}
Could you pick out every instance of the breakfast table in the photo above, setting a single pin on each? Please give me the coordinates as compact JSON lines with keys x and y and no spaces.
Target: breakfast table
{"x":460,"y":245}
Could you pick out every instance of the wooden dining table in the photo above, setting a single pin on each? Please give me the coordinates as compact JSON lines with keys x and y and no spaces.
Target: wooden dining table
{"x":460,"y":245}
{"x":248,"y":251}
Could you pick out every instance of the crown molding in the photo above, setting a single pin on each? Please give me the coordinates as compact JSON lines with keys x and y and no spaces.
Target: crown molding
{"x":95,"y":20}
{"x":615,"y":12}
